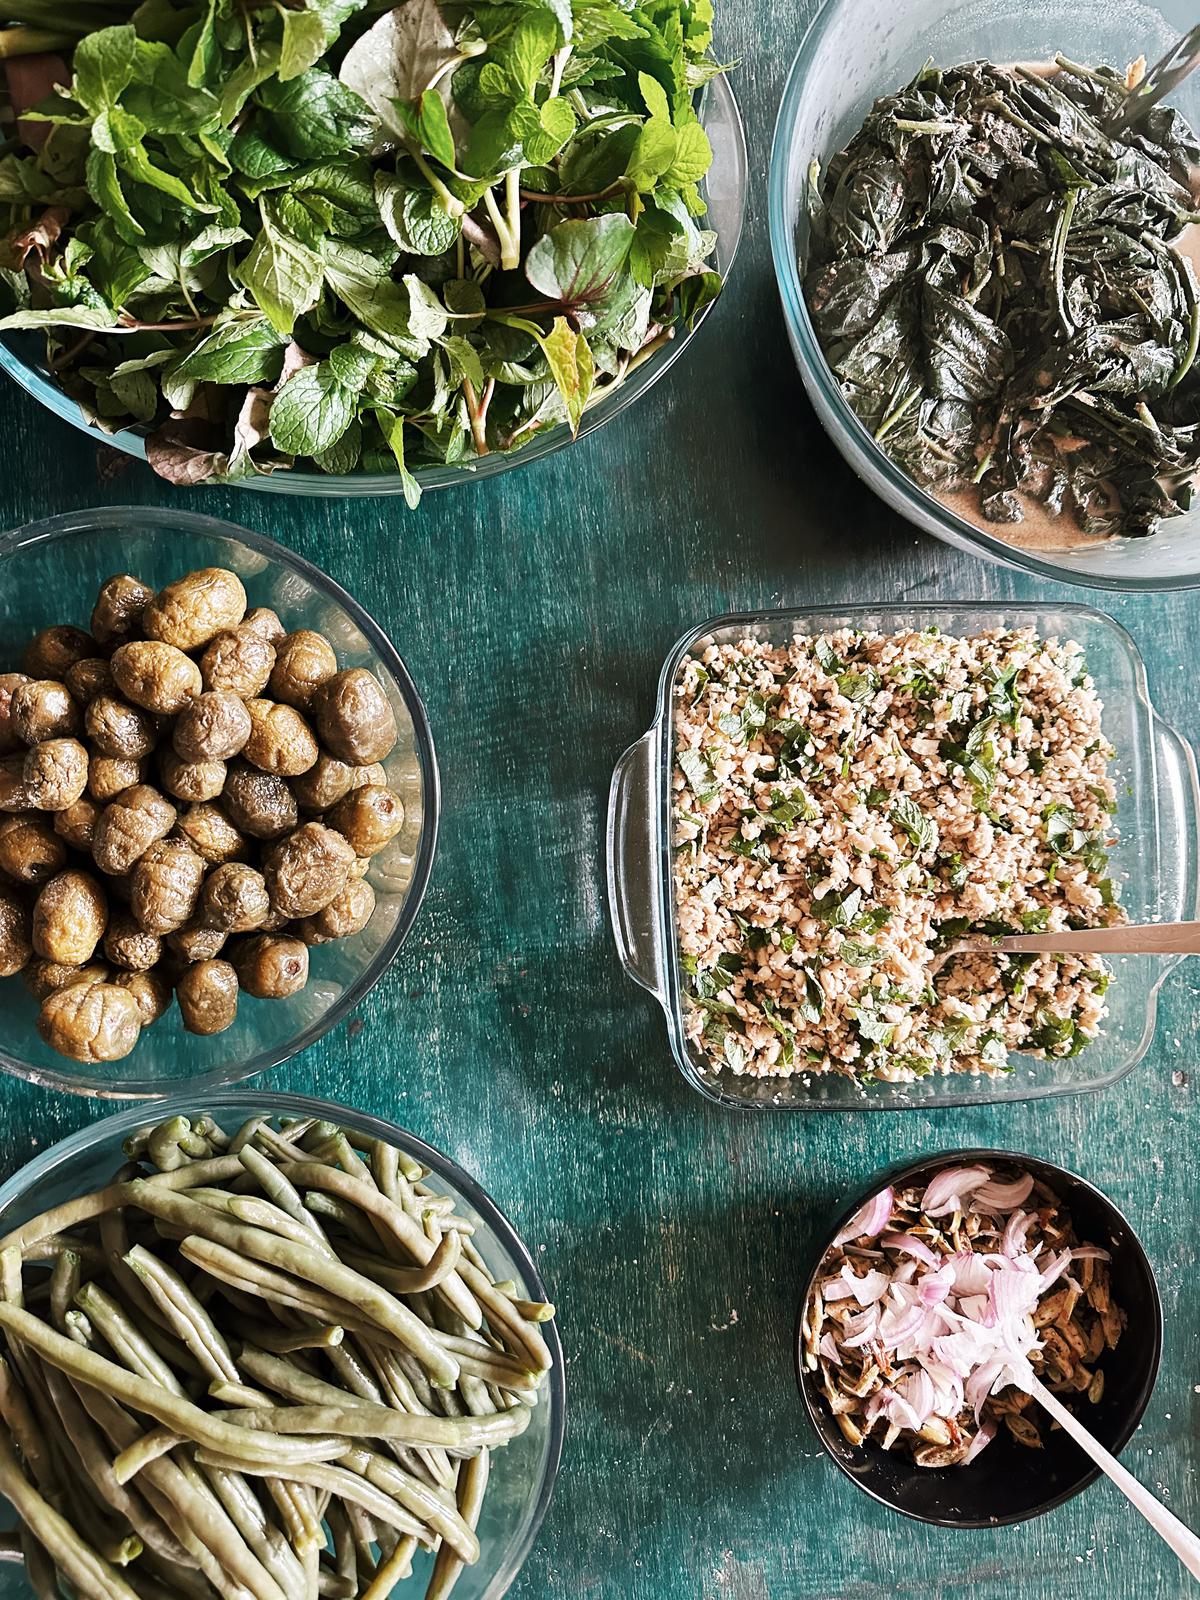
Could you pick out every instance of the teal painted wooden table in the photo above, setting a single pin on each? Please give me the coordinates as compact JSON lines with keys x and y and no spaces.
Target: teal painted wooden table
{"x":534,"y":612}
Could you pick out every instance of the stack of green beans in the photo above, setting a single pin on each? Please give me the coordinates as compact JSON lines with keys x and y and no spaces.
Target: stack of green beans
{"x":266,"y":1366}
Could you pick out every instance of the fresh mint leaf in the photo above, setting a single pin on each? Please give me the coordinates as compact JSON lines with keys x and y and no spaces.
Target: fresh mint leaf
{"x":311,"y":412}
{"x":247,"y":352}
{"x":304,"y":43}
{"x":838,"y":908}
{"x":283,"y":275}
{"x":103,"y":66}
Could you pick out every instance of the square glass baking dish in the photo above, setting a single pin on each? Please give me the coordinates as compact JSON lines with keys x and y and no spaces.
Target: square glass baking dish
{"x":1156,"y":858}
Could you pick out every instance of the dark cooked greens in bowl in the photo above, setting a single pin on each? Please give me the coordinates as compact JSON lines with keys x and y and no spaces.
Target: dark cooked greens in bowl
{"x":353,"y":241}
{"x":1002,"y":289}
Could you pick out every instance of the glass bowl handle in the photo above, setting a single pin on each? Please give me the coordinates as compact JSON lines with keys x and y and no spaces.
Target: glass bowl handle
{"x":1177,"y":787}
{"x":633,"y":855}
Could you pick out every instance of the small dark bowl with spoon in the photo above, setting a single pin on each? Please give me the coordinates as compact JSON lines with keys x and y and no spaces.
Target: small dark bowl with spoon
{"x":1009,"y":1482}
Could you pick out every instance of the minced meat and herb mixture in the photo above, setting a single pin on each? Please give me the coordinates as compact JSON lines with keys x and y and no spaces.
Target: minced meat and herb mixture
{"x":846,"y":807}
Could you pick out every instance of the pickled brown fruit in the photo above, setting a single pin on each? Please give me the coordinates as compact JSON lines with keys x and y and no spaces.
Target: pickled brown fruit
{"x":42,"y":708}
{"x":213,"y":728}
{"x":354,"y":717}
{"x":238,"y":662}
{"x":307,"y":869}
{"x":166,"y":886}
{"x":235,"y":898}
{"x":190,"y":780}
{"x":42,"y":977}
{"x":89,"y":678}
{"x":54,"y":774}
{"x":303,"y":661}
{"x":208,"y":996}
{"x":259,"y":803}
{"x":16,"y":944}
{"x":265,"y":623}
{"x":280,"y":740}
{"x":117,"y":614}
{"x":90,"y":1022}
{"x":369,"y":818}
{"x":76,"y":824}
{"x":347,"y":913}
{"x":51,"y":653}
{"x":155,"y":675}
{"x":69,"y":916}
{"x":10,"y":682}
{"x":109,"y":776}
{"x":30,"y":850}
{"x":151,"y":993}
{"x":129,"y":825}
{"x":270,"y":966}
{"x":129,"y":946}
{"x":324,"y":784}
{"x":199,"y":941}
{"x":211,"y":834}
{"x":115,"y":728}
{"x":194,"y":609}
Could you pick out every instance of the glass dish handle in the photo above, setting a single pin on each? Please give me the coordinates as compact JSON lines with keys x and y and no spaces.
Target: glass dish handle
{"x":632,"y":839}
{"x":1178,"y":797}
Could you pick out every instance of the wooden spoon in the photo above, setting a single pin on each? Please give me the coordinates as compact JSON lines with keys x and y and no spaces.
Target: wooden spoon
{"x":1165,"y":1523}
{"x":1130,"y":939}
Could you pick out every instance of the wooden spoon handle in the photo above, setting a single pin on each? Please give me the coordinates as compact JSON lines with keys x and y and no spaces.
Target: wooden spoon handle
{"x":1165,"y":1523}
{"x":1147,"y":938}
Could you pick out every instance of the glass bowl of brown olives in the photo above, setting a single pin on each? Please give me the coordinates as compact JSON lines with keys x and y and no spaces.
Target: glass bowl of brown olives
{"x":218,"y":802}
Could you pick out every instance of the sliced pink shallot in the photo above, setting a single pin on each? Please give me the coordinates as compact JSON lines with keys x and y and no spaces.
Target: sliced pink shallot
{"x":869,"y":1221}
{"x":914,"y":1247}
{"x":1002,"y":1197}
{"x":951,"y":1187}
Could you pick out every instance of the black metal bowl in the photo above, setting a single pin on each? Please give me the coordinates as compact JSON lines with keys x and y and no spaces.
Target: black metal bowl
{"x":1009,"y":1482}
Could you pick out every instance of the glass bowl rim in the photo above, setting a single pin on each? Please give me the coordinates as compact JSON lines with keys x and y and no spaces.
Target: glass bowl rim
{"x":831,"y":405}
{"x":899,"y":1172}
{"x":152,"y":520}
{"x":435,"y":475}
{"x":59,"y":1156}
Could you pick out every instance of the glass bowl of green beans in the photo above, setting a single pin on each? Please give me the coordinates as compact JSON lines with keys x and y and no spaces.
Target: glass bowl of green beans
{"x":272,"y":1158}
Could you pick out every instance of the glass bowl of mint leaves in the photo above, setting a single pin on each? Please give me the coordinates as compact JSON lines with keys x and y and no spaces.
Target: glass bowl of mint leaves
{"x":987,"y":290}
{"x":337,"y":249}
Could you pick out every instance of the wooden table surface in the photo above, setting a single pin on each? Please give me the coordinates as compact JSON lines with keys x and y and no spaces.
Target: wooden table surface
{"x":534,"y":612}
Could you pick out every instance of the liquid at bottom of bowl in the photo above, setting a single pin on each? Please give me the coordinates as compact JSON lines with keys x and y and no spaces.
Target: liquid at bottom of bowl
{"x":523,"y":1473}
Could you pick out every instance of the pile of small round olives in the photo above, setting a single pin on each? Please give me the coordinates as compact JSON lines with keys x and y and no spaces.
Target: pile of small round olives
{"x":190,"y":797}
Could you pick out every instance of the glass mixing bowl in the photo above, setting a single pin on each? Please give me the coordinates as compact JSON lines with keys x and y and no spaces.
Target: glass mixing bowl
{"x":855,"y":51}
{"x":523,"y":1473}
{"x":50,"y":572}
{"x":23,"y":356}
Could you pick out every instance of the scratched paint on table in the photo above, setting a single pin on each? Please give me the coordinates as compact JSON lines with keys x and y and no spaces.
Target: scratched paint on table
{"x":534,"y":612}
